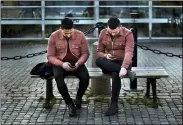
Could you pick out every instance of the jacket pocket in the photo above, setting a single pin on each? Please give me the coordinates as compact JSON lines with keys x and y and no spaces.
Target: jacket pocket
{"x":76,"y":49}
{"x":107,"y":44}
{"x":60,"y":48}
{"x":119,"y":45}
{"x":76,"y":46}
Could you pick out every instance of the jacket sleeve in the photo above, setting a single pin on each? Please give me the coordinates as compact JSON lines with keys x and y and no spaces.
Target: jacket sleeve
{"x":129,"y":49}
{"x":84,"y":51}
{"x":100,"y":47}
{"x":51,"y":50}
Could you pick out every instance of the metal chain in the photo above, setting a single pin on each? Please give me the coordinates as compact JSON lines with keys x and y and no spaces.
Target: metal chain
{"x":158,"y":51}
{"x":90,"y":30}
{"x":98,"y":25}
{"x":21,"y":57}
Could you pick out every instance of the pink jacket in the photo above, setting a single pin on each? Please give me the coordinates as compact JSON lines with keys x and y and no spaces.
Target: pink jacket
{"x":57,"y":47}
{"x":122,"y":48}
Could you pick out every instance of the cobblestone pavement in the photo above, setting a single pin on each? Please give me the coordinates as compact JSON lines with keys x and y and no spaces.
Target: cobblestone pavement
{"x":21,"y":104}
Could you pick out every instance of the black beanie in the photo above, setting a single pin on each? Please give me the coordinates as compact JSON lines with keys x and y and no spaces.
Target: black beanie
{"x":67,"y":23}
{"x":113,"y":23}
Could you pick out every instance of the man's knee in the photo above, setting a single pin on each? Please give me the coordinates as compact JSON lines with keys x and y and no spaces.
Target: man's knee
{"x":99,"y":61}
{"x":57,"y":72}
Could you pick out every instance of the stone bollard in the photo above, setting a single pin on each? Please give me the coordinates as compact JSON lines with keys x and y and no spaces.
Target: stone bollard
{"x":99,"y":86}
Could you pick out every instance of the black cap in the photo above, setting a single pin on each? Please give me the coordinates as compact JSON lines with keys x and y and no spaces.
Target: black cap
{"x":67,"y":23}
{"x":113,"y":23}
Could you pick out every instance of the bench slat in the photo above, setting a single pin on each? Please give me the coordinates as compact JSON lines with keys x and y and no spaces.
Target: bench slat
{"x":141,"y":72}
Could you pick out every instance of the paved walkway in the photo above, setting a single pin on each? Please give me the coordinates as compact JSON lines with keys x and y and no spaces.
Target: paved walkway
{"x":21,"y":104}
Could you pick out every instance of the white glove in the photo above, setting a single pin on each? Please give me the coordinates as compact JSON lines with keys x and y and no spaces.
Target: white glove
{"x":66,"y":66}
{"x":122,"y":72}
{"x":109,"y":57}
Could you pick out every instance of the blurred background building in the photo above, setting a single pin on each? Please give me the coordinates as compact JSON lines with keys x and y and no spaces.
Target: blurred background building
{"x":36,"y":20}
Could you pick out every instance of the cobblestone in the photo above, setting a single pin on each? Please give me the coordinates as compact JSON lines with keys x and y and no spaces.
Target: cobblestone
{"x":20,"y":102}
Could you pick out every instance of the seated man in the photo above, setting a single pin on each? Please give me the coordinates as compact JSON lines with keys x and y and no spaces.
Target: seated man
{"x":114,"y":56}
{"x":67,"y":52}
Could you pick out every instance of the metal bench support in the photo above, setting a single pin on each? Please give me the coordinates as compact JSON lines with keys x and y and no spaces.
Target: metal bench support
{"x":49,"y":93}
{"x":152,"y":81}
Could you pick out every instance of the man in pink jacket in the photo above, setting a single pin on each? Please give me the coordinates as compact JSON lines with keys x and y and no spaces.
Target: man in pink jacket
{"x":114,"y":56}
{"x":67,"y":52}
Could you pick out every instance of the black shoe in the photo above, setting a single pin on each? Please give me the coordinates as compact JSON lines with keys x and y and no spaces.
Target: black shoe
{"x":131,"y":75}
{"x":72,"y":109}
{"x":78,"y":102}
{"x":112,"y":109}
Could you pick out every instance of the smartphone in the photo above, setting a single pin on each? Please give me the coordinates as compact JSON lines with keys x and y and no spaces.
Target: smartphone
{"x":72,"y":65}
{"x":112,"y":57}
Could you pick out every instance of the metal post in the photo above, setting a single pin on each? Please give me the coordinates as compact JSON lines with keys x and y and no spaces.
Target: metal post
{"x":50,"y":98}
{"x":100,"y":26}
{"x":133,"y":84}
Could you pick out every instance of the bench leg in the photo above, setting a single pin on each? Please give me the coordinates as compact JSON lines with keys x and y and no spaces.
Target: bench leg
{"x":153,"y":84}
{"x":49,"y":94}
{"x":148,"y":88}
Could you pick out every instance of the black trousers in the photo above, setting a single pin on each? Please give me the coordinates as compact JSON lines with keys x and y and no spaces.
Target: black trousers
{"x":81,"y":73}
{"x":112,"y":67}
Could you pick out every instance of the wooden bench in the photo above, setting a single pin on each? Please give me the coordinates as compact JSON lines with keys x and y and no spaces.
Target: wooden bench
{"x":150,"y":73}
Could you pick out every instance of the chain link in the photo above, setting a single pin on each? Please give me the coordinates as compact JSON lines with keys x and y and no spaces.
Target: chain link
{"x":158,"y":51}
{"x":89,"y":31}
{"x":21,"y":57}
{"x":98,"y":25}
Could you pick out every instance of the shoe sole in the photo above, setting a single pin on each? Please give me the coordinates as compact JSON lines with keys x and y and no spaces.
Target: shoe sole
{"x":111,"y":114}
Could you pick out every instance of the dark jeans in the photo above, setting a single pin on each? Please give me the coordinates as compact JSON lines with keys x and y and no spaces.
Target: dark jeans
{"x":112,"y":67}
{"x":81,"y":73}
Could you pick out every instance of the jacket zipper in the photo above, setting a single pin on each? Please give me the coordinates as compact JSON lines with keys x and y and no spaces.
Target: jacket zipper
{"x":112,"y":48}
{"x":113,"y":40}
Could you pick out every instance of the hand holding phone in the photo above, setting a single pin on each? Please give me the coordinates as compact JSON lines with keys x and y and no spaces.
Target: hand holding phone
{"x":110,"y":57}
{"x":72,"y":65}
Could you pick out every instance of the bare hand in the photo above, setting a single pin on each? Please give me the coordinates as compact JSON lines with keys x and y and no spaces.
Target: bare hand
{"x":74,"y":68}
{"x":66,"y":66}
{"x":110,"y":57}
{"x":122,"y":72}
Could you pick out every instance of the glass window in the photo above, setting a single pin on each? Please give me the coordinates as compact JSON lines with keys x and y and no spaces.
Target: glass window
{"x":85,"y":28}
{"x":21,"y":9}
{"x":123,"y":3}
{"x":122,"y":12}
{"x":142,"y":28}
{"x":167,"y":30}
{"x":21,"y":3}
{"x":9,"y":3}
{"x":21,"y":13}
{"x":51,"y":28}
{"x":72,"y":9}
{"x":168,"y":3}
{"x":68,"y":3}
{"x":21,"y":31}
{"x":73,"y":12}
{"x":167,"y":12}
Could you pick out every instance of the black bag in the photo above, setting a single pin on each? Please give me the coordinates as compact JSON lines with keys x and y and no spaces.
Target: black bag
{"x":44,"y":70}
